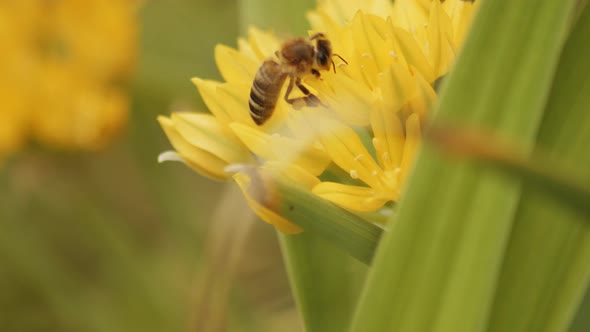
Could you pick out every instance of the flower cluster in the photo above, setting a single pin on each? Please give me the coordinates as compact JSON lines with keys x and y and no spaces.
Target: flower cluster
{"x":358,"y":151}
{"x":64,"y":65}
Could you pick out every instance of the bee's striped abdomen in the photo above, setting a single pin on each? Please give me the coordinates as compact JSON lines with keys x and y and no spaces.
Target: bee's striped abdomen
{"x":265,"y":91}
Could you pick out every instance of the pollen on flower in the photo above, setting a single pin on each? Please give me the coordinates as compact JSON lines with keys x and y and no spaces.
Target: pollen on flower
{"x":358,"y":157}
{"x":354,"y":174}
{"x":392,"y":54}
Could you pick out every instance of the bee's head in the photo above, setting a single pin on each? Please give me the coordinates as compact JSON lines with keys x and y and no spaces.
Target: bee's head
{"x":323,"y":51}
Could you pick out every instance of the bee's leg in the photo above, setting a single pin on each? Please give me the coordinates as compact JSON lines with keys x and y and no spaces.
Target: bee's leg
{"x":296,"y":102}
{"x":289,"y":89}
{"x":302,"y":87}
{"x":309,"y":100}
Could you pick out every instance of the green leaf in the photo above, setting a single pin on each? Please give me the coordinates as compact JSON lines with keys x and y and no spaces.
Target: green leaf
{"x":436,"y":269}
{"x":546,"y":269}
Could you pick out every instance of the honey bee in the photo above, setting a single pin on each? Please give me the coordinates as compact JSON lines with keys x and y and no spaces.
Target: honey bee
{"x":297,"y":58}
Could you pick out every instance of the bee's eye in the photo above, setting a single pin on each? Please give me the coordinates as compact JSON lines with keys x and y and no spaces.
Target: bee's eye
{"x":322,"y":58}
{"x":323,"y":51}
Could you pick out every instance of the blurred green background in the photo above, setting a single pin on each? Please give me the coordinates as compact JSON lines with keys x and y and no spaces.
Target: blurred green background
{"x":114,"y":241}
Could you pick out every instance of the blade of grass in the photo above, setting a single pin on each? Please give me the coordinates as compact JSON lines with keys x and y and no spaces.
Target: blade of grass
{"x":437,"y":267}
{"x":547,"y":269}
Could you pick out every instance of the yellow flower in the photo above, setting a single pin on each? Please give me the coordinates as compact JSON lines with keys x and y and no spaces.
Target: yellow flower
{"x":64,"y":64}
{"x":366,"y":139}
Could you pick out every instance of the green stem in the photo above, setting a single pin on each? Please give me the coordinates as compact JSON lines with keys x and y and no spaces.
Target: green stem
{"x":343,"y":229}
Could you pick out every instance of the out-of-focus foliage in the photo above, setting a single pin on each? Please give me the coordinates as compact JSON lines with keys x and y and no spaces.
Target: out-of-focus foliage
{"x":112,"y":241}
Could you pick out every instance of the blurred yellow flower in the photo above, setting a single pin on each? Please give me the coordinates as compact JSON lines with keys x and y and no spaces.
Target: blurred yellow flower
{"x":366,"y":139}
{"x":64,"y":64}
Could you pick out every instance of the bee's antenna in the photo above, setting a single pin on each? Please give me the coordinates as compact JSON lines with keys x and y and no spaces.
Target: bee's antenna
{"x":341,"y":58}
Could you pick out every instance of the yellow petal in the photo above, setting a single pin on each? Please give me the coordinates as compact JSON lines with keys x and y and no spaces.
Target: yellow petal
{"x":369,"y":54}
{"x":256,"y":193}
{"x":412,"y":52}
{"x":280,"y":148}
{"x":208,"y":91}
{"x":460,"y":13}
{"x":411,"y":146}
{"x":246,"y":49}
{"x":256,"y":140}
{"x":322,"y":22}
{"x":440,"y":40}
{"x":410,"y":14}
{"x":348,"y":98}
{"x":379,"y":24}
{"x":227,"y":101}
{"x":388,"y":137}
{"x":424,"y":99}
{"x":263,"y":43}
{"x":380,"y":8}
{"x":342,"y":11}
{"x":355,"y":198}
{"x":204,"y":131}
{"x":200,"y":160}
{"x":462,"y":20}
{"x":450,"y":6}
{"x":348,"y":152}
{"x":235,"y":66}
{"x":292,"y":172}
{"x":234,"y":98}
{"x":397,"y":87}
